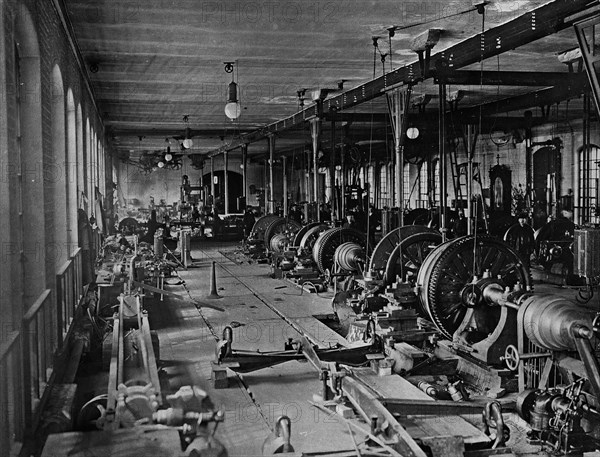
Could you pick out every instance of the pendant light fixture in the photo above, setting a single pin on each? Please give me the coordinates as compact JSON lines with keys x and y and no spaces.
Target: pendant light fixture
{"x":233,"y":108}
{"x":187,"y":142}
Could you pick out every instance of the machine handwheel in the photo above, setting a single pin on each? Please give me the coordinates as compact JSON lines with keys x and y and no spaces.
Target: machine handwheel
{"x":446,"y":279}
{"x":511,"y":357}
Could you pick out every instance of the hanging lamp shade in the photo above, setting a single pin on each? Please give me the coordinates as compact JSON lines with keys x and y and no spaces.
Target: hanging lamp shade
{"x":232,"y":108}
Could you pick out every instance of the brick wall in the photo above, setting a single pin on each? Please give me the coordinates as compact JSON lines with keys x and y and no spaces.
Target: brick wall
{"x":54,"y":50}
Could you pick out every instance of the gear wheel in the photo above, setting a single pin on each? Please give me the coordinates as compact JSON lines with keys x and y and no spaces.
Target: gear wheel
{"x":450,"y":268}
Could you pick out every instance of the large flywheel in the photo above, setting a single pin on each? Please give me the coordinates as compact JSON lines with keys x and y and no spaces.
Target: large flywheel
{"x":300,"y":233}
{"x":451,"y":279}
{"x":406,"y":258}
{"x":310,"y":236}
{"x":259,"y":227}
{"x":281,"y":225}
{"x":325,"y":246}
{"x":385,"y":247}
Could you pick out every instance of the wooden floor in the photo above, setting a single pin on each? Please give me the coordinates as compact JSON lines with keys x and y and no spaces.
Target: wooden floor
{"x":253,"y":402}
{"x":265,"y":312}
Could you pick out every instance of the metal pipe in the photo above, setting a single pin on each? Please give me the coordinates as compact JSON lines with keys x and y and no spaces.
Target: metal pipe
{"x":245,"y":172}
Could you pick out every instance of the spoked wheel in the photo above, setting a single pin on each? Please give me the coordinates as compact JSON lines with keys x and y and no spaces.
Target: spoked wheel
{"x":300,"y":233}
{"x":553,"y":241}
{"x":310,"y":237}
{"x":258,"y":229}
{"x":385,"y":247}
{"x":448,"y":289}
{"x":281,"y":226}
{"x":325,"y":246}
{"x":408,"y":256}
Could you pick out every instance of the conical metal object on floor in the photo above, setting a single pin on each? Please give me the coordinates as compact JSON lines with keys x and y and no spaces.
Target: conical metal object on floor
{"x":213,"y":282}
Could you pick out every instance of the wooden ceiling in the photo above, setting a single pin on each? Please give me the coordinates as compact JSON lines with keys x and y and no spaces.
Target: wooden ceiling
{"x":153,"y":62}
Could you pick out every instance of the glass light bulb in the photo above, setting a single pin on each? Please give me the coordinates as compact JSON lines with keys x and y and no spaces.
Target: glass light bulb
{"x":233,"y":110}
{"x":188,"y":143}
{"x":412,"y":132}
{"x":168,"y":157}
{"x":160,"y":164}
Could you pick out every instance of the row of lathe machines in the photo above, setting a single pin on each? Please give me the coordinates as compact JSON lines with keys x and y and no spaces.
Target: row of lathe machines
{"x":459,"y":319}
{"x":467,"y":303}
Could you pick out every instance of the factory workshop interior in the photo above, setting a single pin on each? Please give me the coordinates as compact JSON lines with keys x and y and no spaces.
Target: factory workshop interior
{"x":315,"y":228}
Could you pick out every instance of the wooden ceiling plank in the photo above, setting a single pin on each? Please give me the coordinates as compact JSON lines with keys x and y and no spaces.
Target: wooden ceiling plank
{"x":533,"y":25}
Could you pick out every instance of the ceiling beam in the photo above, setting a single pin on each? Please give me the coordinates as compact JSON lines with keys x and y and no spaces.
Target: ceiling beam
{"x":508,"y":78}
{"x":548,"y":18}
{"x":543,"y":97}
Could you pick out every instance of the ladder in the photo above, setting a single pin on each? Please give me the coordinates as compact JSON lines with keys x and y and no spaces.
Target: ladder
{"x":585,"y":31}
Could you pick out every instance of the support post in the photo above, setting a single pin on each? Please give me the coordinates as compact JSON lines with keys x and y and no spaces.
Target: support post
{"x":343,"y":183}
{"x":245,"y":172}
{"x":266,"y":197}
{"x":226,"y":180}
{"x":470,"y":142}
{"x":332,"y":167}
{"x":285,"y":186}
{"x":315,"y":132}
{"x":398,"y":104}
{"x":271,"y":186}
{"x":212,"y":179}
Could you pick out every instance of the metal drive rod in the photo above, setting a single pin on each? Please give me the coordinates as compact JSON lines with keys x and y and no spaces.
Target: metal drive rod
{"x":442,"y":152}
{"x":407,"y":407}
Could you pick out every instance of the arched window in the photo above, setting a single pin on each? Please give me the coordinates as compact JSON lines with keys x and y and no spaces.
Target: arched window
{"x":384,"y":186}
{"x":30,"y":211}
{"x":71,"y":172}
{"x":80,"y":157}
{"x":407,"y":186}
{"x":423,"y":185}
{"x":88,"y":166}
{"x":56,"y":173}
{"x":589,"y":174}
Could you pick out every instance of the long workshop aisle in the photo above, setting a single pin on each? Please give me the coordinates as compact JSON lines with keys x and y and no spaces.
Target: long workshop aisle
{"x":265,"y":313}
